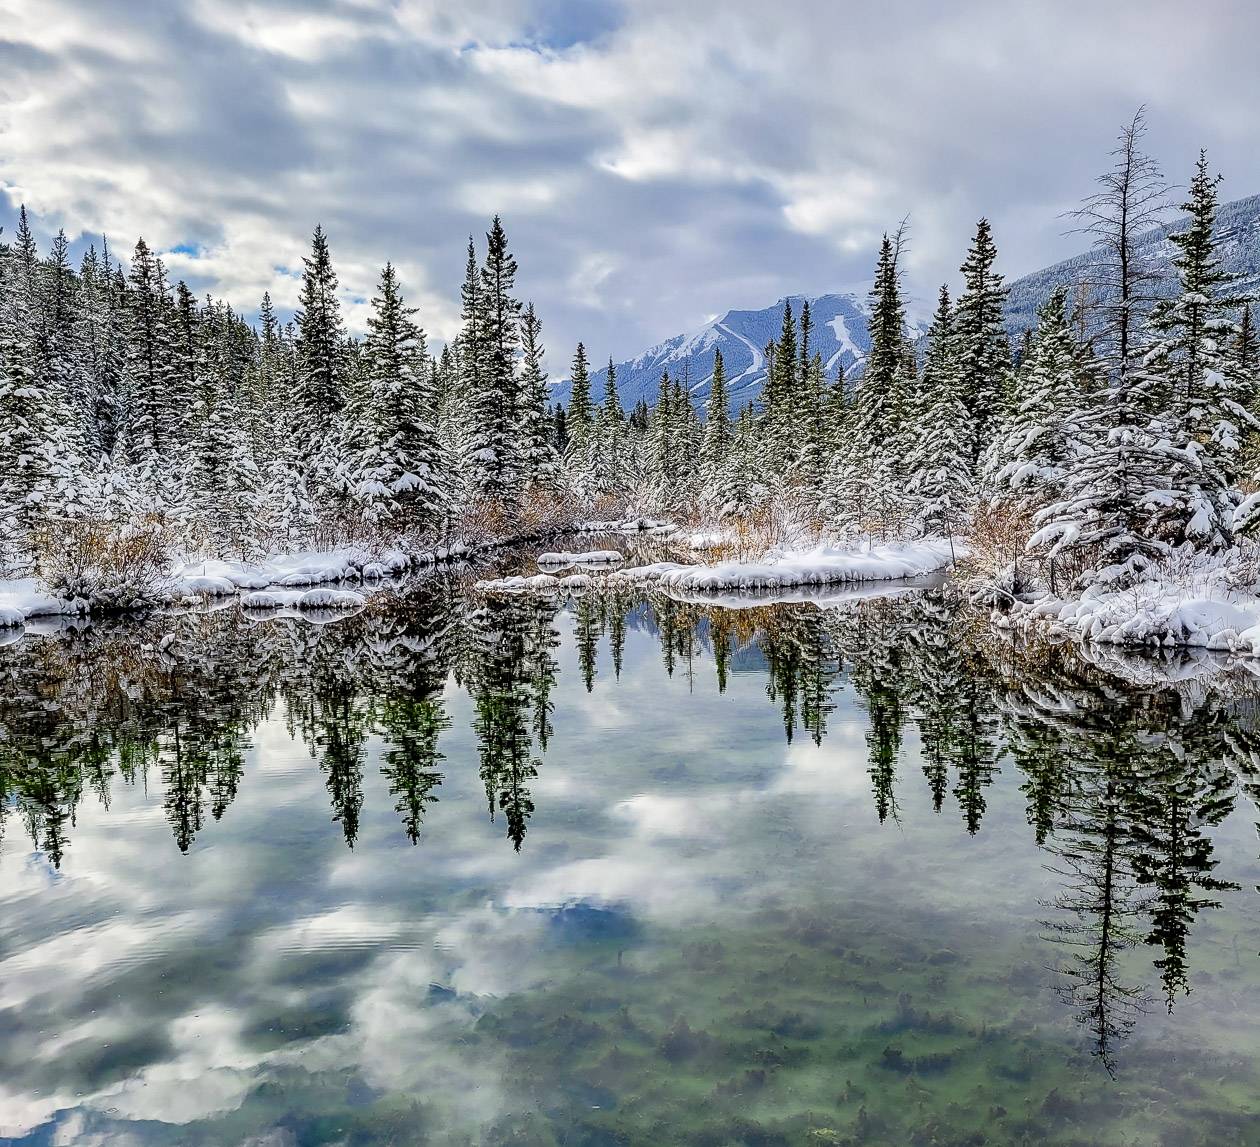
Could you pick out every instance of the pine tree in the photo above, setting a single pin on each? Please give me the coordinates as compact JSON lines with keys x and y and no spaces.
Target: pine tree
{"x":1192,"y":375}
{"x":402,"y":485}
{"x":939,"y":461}
{"x":321,"y":366}
{"x":496,"y":428}
{"x":981,"y":352}
{"x":147,"y":427}
{"x":579,"y":455}
{"x":1030,"y":460}
{"x":24,"y":470}
{"x":539,"y":452}
{"x":716,"y":461}
{"x":870,"y":490}
{"x":1133,"y":199}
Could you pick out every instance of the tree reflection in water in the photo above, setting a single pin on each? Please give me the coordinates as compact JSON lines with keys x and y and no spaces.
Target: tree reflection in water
{"x":1125,"y":769}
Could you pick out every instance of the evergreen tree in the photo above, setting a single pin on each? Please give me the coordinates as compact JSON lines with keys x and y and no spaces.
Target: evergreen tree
{"x":1194,"y":380}
{"x":1030,"y":460}
{"x":402,"y":483}
{"x":321,"y":366}
{"x":539,"y":441}
{"x":495,"y":446}
{"x":939,"y":461}
{"x":717,"y":460}
{"x":981,"y":352}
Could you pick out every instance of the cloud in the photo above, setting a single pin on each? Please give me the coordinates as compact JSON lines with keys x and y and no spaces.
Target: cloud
{"x":655,"y":163}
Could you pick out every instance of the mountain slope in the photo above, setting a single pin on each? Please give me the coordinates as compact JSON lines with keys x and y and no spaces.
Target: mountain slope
{"x":840,"y":319}
{"x":839,"y":334}
{"x":1237,"y":224}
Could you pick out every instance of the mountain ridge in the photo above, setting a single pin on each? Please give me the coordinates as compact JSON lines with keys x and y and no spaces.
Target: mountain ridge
{"x":840,"y":318}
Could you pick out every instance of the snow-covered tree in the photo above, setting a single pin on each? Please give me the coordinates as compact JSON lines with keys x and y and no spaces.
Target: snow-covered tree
{"x":939,"y":454}
{"x":538,"y":455}
{"x":1039,"y":441}
{"x":402,"y":485}
{"x":981,"y":352}
{"x":1198,"y":385}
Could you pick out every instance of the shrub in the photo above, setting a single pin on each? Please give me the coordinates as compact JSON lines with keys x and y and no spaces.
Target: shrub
{"x":109,"y":566}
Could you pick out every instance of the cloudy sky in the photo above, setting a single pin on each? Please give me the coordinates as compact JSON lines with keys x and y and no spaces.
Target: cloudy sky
{"x":655,"y":161}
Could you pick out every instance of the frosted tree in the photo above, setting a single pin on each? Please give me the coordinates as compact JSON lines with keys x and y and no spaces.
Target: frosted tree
{"x":493,"y":456}
{"x":149,"y":428}
{"x":939,"y":447}
{"x":24,"y":471}
{"x":1039,"y":441}
{"x":981,"y":352}
{"x":402,"y":484}
{"x":1199,"y":386}
{"x":321,"y":377}
{"x":870,"y":489}
{"x":539,"y":459}
{"x":716,"y":460}
{"x":580,"y":449}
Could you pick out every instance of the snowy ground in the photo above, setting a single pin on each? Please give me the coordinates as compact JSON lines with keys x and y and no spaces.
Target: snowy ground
{"x":778,"y":570}
{"x":1202,"y":602}
{"x":288,"y":583}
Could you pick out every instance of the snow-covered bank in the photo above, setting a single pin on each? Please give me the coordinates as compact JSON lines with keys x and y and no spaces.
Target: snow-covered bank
{"x":1206,"y":602}
{"x":766,"y":580}
{"x":563,"y":558}
{"x":828,"y":564}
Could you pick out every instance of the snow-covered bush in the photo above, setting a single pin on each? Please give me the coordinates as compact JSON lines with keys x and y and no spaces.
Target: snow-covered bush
{"x":108,"y":565}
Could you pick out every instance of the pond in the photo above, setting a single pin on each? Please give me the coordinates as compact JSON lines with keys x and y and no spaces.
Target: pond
{"x":623,"y":870}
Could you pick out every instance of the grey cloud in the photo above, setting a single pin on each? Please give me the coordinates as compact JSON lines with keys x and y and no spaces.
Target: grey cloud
{"x":655,"y":163}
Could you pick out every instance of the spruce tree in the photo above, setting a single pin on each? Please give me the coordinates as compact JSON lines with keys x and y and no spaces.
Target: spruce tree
{"x":1030,"y":460}
{"x":495,"y":453}
{"x":939,"y":461}
{"x":538,"y":449}
{"x":403,"y":484}
{"x":321,"y":376}
{"x":1195,"y":380}
{"x":716,"y":461}
{"x":981,"y":351}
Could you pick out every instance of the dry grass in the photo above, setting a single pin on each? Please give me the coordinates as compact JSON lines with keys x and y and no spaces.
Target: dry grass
{"x":109,"y":565}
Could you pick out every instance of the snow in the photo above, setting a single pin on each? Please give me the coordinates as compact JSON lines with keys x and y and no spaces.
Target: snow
{"x":634,"y":525}
{"x":825,"y":564}
{"x":1196,"y":604}
{"x":539,"y":583}
{"x":590,"y":557}
{"x":22,"y":598}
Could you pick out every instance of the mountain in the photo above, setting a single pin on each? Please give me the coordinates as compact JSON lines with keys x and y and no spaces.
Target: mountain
{"x":839,"y":333}
{"x":840,"y":319}
{"x":1237,"y":226}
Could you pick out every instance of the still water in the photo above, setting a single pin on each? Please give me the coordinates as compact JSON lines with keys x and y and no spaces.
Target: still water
{"x":626,"y":870}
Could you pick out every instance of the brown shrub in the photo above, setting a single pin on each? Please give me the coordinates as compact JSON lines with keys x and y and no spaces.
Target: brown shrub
{"x":110,"y":566}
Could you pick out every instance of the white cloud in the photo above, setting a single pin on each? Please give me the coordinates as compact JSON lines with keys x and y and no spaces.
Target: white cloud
{"x":697,"y":163}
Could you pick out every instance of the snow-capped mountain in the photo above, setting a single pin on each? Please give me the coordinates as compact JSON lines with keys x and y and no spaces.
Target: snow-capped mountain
{"x":840,"y":319}
{"x":839,"y":334}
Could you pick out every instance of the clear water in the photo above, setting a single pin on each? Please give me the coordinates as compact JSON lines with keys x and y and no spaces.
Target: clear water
{"x":457,"y":871}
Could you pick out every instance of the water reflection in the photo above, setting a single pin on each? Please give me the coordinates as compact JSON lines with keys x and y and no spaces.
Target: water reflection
{"x":1126,"y":771}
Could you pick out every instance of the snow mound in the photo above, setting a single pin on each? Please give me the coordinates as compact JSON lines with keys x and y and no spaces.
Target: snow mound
{"x":822,"y":565}
{"x":1154,"y":614}
{"x":577,"y":581}
{"x":330,"y":599}
{"x":589,"y":558}
{"x":22,"y":598}
{"x":539,"y":583}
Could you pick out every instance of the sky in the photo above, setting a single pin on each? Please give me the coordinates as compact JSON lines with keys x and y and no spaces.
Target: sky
{"x":655,"y":163}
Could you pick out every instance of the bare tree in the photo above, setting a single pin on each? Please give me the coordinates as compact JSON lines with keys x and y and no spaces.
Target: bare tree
{"x":1133,"y":198}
